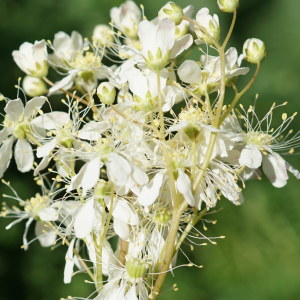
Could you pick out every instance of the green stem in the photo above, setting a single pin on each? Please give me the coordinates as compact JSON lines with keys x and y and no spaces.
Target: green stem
{"x":189,"y":227}
{"x":239,"y":95}
{"x":170,"y":242}
{"x":230,"y":30}
{"x":99,"y":248}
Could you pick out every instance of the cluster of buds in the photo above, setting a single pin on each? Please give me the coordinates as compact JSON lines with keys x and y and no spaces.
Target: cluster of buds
{"x":112,"y":166}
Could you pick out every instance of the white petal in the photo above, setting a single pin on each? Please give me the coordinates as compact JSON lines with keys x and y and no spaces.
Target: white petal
{"x":138,"y":83}
{"x":92,"y":130}
{"x":125,"y":213}
{"x":65,"y":82}
{"x":121,"y":229}
{"x":91,"y":174}
{"x":139,"y":175}
{"x":5,"y":154}
{"x":108,"y":258}
{"x":184,"y":186}
{"x":14,"y":109}
{"x":292,"y":170}
{"x":83,"y":224}
{"x":45,"y":234}
{"x":69,"y":263}
{"x":147,"y":35}
{"x":165,"y":36}
{"x":77,"y":179}
{"x":190,"y":72}
{"x":181,"y":44}
{"x":150,"y":192}
{"x":143,"y":293}
{"x":91,"y":248}
{"x":275,"y":169}
{"x":33,"y":106}
{"x":231,"y":57}
{"x":131,"y":294}
{"x":51,"y":120}
{"x":118,"y":169}
{"x":4,"y":133}
{"x":237,"y":72}
{"x":48,"y":214}
{"x":46,"y":149}
{"x":251,"y":157}
{"x":23,"y":155}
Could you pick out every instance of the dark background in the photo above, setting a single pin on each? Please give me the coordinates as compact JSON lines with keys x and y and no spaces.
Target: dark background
{"x":259,"y":259}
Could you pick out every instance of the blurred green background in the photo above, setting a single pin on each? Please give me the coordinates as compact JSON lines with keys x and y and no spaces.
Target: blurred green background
{"x":260,"y":257}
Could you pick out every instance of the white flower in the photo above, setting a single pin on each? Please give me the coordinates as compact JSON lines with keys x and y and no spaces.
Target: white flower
{"x":16,"y":125}
{"x":144,"y":88}
{"x":80,"y":63}
{"x":211,"y":25}
{"x":32,"y":58}
{"x":206,"y":80}
{"x":259,"y":147}
{"x":127,"y":17}
{"x":65,"y":48}
{"x":40,"y":208}
{"x":158,"y":43}
{"x":218,"y":176}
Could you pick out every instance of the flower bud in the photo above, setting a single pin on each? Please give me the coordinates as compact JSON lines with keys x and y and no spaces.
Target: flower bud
{"x":254,"y":51}
{"x":103,"y":34}
{"x":34,"y":87}
{"x":228,"y":5}
{"x":211,"y":25}
{"x":171,"y":11}
{"x":106,"y":93}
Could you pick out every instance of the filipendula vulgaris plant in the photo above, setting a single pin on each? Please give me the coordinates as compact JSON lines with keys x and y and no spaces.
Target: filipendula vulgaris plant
{"x":112,"y":166}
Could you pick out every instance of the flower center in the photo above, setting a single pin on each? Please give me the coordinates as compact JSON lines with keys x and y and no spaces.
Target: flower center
{"x":20,"y":128}
{"x":85,"y":60}
{"x":258,"y":138}
{"x":102,"y":189}
{"x":35,"y":204}
{"x":64,"y":135}
{"x":103,"y":148}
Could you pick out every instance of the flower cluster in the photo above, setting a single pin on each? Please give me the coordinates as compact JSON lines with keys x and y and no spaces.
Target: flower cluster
{"x":122,"y":161}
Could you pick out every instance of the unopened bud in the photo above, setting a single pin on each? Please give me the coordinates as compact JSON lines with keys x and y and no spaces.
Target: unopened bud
{"x":254,"y":51}
{"x":228,"y":5}
{"x":106,"y":92}
{"x":33,"y":86}
{"x":171,"y":11}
